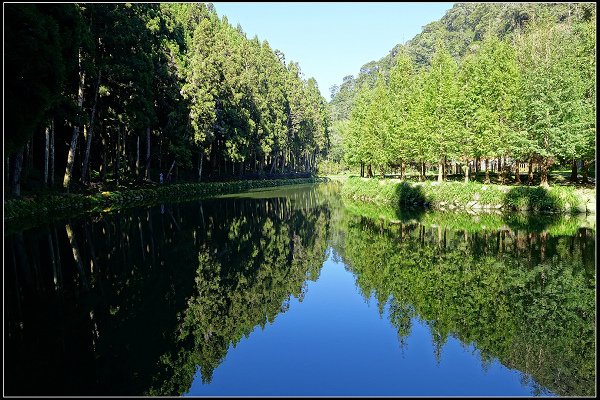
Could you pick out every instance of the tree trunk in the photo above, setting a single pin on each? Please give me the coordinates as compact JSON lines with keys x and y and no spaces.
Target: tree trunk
{"x":487,"y":171}
{"x":147,"y":176}
{"x":201,"y":158}
{"x":74,"y":137}
{"x":16,"y":177}
{"x":88,"y":139}
{"x":137,"y":158}
{"x":52,"y":134}
{"x":402,"y":170}
{"x":501,"y":170}
{"x":440,"y":171}
{"x":160,"y":143}
{"x":171,"y":169}
{"x":585,"y":172}
{"x":118,"y":155}
{"x":104,"y":161}
{"x":544,"y":172}
{"x":27,"y":161}
{"x":530,"y":172}
{"x":467,"y":171}
{"x":445,"y":169}
{"x":422,"y":177}
{"x":574,"y":171}
{"x":517,"y":172}
{"x":362,"y":169}
{"x":369,"y":172}
{"x":46,"y":155}
{"x":477,"y":166}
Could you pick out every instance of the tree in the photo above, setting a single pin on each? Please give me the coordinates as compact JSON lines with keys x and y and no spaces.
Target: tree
{"x":440,"y":111}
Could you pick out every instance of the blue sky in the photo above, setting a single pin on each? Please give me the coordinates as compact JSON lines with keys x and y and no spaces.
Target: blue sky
{"x":332,"y":40}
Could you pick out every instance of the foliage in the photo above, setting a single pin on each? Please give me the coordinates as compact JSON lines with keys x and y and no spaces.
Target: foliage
{"x":509,"y":82}
{"x":167,"y":89}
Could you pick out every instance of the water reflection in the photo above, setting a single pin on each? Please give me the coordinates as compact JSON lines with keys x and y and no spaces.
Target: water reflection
{"x":135,"y":302}
{"x":129,"y":303}
{"x":524,"y":298}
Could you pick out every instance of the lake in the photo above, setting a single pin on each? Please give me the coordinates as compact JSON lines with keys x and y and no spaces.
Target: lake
{"x":294,"y":292}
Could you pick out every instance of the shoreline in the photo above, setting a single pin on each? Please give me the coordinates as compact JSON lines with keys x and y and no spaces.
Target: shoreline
{"x":46,"y":208}
{"x":472,"y":196}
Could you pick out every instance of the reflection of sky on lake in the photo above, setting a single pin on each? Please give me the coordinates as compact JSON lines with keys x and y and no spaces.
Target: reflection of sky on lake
{"x":334,"y":343}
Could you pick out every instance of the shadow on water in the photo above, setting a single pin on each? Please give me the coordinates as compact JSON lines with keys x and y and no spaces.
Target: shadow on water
{"x":132,"y":303}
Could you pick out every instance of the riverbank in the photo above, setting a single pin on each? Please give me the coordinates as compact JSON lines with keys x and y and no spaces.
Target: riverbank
{"x":50,"y":207}
{"x":471,"y":222}
{"x":472,"y":196}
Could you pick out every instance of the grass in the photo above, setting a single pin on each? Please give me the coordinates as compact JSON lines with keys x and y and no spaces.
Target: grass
{"x":459,"y":195}
{"x":554,"y":224}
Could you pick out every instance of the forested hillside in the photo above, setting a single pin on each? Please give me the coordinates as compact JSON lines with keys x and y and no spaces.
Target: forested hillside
{"x":509,"y":82}
{"x":117,"y":94}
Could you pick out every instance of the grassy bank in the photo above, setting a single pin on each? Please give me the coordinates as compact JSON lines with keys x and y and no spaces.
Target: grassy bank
{"x":468,"y":196}
{"x":45,"y":207}
{"x":488,"y":220}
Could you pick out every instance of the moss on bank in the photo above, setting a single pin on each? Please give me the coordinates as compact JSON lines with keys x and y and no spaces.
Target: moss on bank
{"x":50,"y":207}
{"x":466,"y":196}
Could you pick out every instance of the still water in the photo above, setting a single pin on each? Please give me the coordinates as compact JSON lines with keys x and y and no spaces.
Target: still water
{"x":291,"y":291}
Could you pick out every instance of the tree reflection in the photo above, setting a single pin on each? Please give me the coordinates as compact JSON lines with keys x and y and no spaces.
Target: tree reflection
{"x":171,"y":288}
{"x":131,"y":303}
{"x":525,"y":298}
{"x":246,"y":275}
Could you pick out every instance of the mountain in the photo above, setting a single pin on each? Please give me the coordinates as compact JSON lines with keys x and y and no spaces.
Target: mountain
{"x":460,"y":29}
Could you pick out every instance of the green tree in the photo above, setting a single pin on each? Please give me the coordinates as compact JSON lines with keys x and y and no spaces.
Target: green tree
{"x":441,"y":126}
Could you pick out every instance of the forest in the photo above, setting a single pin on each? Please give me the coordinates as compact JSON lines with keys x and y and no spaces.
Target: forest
{"x":114,"y":95}
{"x":511,"y":84}
{"x":107,"y":96}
